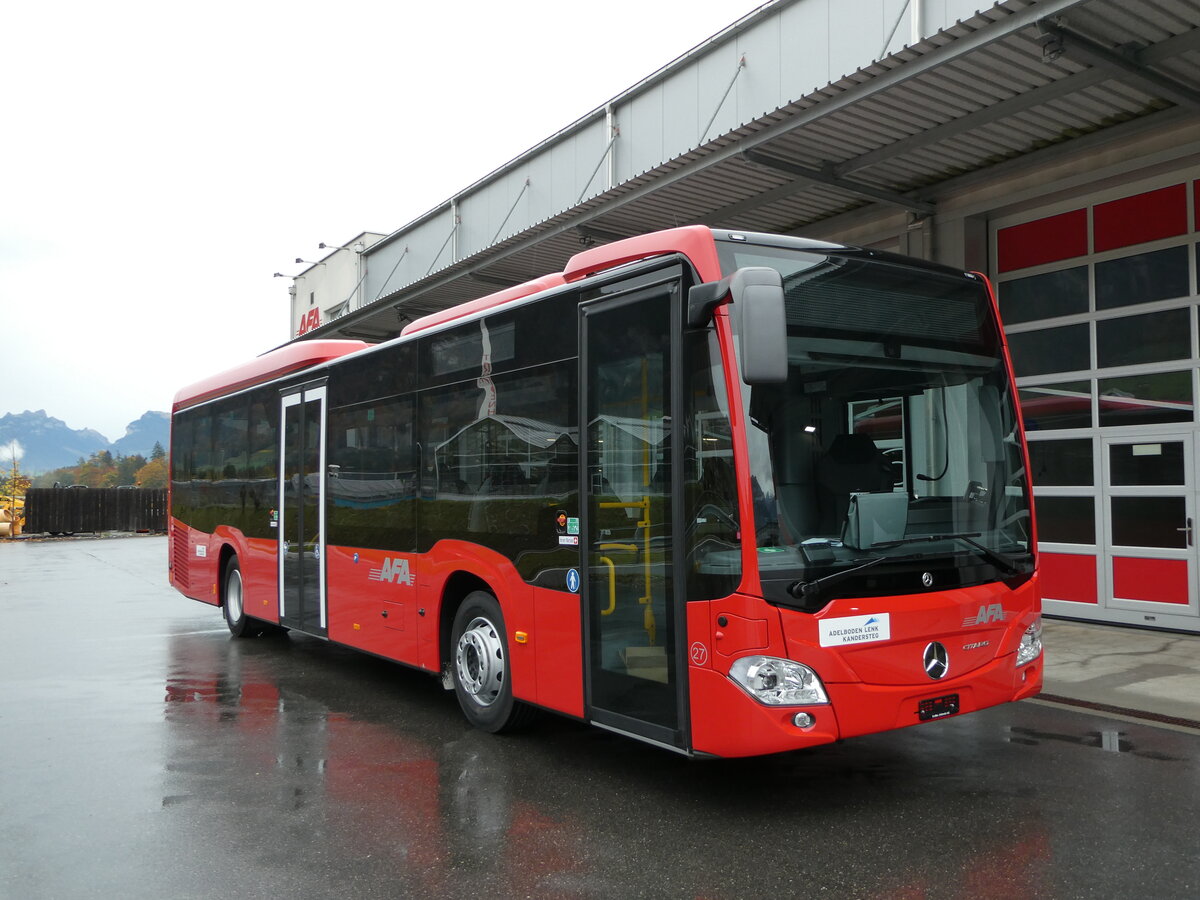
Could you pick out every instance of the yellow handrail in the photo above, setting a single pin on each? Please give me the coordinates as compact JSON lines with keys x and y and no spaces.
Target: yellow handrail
{"x":644,"y":524}
{"x":612,"y":586}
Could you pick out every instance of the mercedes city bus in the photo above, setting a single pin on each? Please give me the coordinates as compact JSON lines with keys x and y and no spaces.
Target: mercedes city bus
{"x":727,"y":493}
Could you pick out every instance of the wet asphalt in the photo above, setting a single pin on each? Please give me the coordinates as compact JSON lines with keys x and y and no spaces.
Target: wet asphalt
{"x":145,"y":753}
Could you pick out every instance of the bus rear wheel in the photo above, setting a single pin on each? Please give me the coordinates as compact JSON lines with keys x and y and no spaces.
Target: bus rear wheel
{"x":481,"y":668}
{"x":234,"y":604}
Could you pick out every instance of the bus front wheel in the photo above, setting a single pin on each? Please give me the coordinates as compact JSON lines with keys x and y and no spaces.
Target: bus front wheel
{"x":481,"y":666}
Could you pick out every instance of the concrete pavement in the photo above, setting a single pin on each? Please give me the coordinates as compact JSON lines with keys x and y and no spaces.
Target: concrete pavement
{"x":1148,"y":674}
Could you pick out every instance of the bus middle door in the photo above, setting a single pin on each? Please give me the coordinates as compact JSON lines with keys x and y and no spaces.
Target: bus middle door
{"x":302,"y":510}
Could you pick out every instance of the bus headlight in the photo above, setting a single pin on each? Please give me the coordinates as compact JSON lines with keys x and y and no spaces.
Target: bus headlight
{"x":778,"y":682}
{"x":1031,"y":643}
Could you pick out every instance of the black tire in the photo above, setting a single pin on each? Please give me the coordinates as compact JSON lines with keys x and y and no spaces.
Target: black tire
{"x":479,"y":663}
{"x":233,"y":602}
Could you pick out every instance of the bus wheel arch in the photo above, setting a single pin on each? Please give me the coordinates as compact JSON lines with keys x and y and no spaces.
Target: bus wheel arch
{"x":458,"y":587}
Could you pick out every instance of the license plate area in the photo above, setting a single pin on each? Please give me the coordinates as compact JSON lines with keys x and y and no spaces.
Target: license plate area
{"x":937,"y":707}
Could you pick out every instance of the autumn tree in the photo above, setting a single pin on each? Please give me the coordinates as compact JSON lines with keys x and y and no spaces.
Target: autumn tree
{"x":67,"y":475}
{"x":12,"y":483}
{"x":102,"y":470}
{"x":99,"y":471}
{"x":153,"y":474}
{"x":128,"y":467}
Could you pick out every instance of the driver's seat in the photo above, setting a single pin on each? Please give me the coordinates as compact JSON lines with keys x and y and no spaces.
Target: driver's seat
{"x":852,"y":464}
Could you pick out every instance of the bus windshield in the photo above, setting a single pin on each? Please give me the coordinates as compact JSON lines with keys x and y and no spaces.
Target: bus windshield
{"x":894,"y":446}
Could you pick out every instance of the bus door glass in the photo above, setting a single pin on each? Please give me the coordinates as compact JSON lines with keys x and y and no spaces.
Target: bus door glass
{"x":302,"y":511}
{"x":634,"y":677}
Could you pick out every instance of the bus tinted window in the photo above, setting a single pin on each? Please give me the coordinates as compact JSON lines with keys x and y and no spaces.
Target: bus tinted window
{"x":262,"y":463}
{"x":231,"y":440}
{"x":500,"y":464}
{"x":372,"y":475}
{"x":463,"y":349}
{"x":224,"y":464}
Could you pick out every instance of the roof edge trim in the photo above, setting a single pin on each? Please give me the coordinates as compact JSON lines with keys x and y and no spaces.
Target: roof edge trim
{"x":289,"y":358}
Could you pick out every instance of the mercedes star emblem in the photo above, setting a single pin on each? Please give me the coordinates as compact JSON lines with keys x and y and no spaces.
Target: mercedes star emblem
{"x":927,"y":579}
{"x":937,"y":660}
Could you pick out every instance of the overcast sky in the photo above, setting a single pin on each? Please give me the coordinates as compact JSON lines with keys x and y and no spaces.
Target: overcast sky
{"x":160,"y":161}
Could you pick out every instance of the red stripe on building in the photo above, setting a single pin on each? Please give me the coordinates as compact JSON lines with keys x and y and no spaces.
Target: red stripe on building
{"x":1140,"y":218}
{"x":1068,"y":576}
{"x":1151,"y":580}
{"x":1042,"y":241}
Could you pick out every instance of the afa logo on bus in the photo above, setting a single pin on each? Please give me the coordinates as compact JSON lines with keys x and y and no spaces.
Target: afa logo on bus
{"x":993,"y":612}
{"x":394,"y":570}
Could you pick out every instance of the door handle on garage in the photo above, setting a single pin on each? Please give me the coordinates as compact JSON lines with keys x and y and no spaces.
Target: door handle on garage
{"x":1188,"y":530}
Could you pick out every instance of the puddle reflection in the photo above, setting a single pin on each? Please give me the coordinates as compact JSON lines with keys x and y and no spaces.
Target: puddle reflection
{"x":423,"y":811}
{"x":1108,"y":740}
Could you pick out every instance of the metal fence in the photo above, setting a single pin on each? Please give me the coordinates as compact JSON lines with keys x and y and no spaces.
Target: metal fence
{"x":71,"y":510}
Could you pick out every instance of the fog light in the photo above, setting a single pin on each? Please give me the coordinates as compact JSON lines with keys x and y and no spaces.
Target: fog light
{"x":804,"y":720}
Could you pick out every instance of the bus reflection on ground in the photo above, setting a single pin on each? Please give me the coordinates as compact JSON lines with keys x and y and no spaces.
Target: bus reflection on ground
{"x":404,"y":808}
{"x":312,"y":759}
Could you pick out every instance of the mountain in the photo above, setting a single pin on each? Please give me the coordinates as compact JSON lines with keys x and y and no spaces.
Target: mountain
{"x":141,"y":435}
{"x":50,"y":444}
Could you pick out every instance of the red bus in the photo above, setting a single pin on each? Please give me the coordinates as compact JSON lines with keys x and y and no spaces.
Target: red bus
{"x":727,"y":493}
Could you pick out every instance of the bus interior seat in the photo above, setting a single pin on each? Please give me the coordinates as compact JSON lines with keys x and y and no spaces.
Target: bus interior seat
{"x":852,"y":464}
{"x":795,"y":483}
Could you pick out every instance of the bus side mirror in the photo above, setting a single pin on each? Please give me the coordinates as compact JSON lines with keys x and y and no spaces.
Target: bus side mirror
{"x":757,"y":296}
{"x":757,"y":293}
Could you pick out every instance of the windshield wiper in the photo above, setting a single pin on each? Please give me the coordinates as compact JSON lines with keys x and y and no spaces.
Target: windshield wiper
{"x":997,"y":559}
{"x":809,"y":590}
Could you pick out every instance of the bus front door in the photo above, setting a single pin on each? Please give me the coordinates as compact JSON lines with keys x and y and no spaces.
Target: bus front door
{"x":634,"y":677}
{"x":302,"y":510}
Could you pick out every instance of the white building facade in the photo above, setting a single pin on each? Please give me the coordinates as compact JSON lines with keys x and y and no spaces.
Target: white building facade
{"x":330,"y":287}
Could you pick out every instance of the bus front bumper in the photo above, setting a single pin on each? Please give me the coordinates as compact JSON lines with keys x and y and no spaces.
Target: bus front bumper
{"x":728,"y":722}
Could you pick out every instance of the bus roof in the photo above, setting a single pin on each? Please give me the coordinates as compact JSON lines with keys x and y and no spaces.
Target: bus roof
{"x":693,"y":241}
{"x":499,"y":298}
{"x":288,"y":358}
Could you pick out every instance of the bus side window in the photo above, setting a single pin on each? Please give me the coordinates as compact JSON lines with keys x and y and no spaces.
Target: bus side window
{"x":372,"y":474}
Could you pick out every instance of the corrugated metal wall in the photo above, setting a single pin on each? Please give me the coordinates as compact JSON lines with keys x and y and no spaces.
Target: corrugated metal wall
{"x":790,"y":48}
